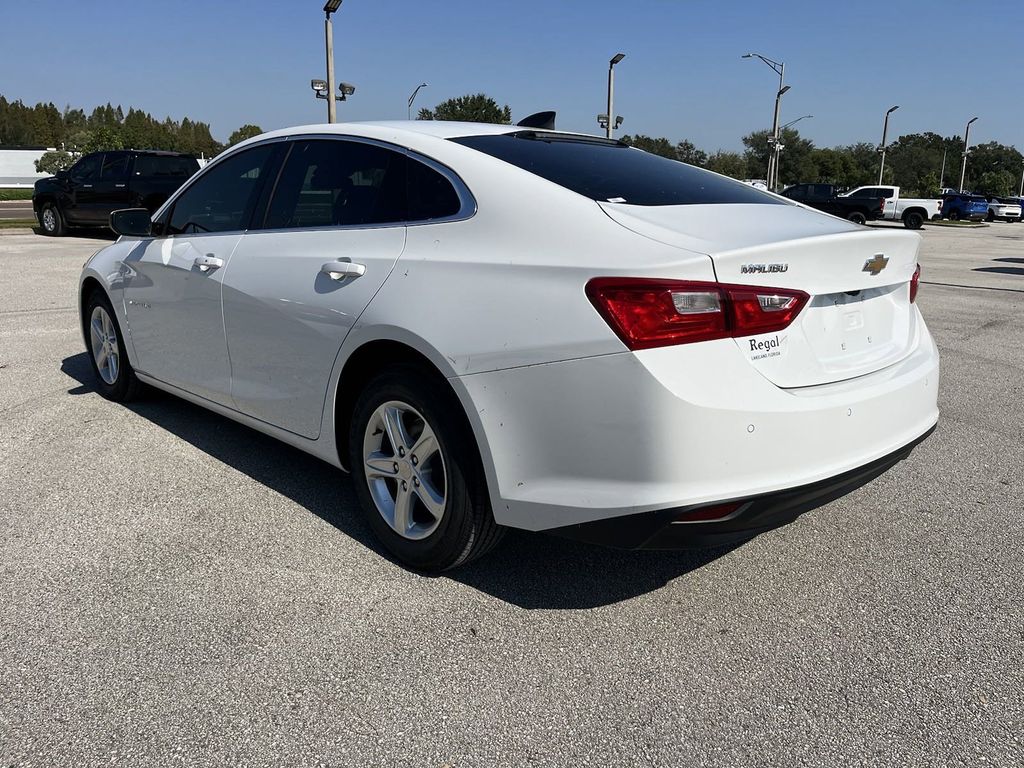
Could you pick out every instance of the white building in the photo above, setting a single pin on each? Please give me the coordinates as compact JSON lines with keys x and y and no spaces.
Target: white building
{"x":17,"y":166}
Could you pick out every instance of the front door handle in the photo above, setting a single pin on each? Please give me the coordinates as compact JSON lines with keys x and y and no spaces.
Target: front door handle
{"x":339,"y":270}
{"x":206,"y":263}
{"x":119,"y":186}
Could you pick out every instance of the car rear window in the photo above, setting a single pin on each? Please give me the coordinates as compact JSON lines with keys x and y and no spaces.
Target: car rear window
{"x":609,"y":171}
{"x":168,"y":167}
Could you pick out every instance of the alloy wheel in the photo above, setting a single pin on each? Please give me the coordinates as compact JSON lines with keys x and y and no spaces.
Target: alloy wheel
{"x":105,"y":350}
{"x":405,"y":470}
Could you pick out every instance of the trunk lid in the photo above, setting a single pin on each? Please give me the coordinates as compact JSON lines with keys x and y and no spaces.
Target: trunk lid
{"x":859,"y":318}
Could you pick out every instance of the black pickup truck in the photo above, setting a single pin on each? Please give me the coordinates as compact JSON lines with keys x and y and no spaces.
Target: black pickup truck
{"x":825,"y":197}
{"x":86,"y":193}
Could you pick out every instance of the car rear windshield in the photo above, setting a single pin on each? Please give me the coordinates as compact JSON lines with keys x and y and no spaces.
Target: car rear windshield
{"x":610,"y":171}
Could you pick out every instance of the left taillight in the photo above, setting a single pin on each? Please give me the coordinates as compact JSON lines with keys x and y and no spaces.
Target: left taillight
{"x":646,"y":313}
{"x":915,"y":281}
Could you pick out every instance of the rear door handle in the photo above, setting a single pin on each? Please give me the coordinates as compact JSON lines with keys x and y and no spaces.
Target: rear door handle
{"x":206,"y":263}
{"x":119,"y":186}
{"x":339,"y":270}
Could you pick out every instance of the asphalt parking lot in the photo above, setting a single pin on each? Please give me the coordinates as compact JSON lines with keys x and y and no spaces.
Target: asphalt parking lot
{"x":177,"y":589}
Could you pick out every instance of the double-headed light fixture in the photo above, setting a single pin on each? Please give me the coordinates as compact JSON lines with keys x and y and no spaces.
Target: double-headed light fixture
{"x":324,"y":89}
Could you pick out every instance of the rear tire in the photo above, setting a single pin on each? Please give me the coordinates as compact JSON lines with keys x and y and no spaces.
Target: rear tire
{"x":913,"y":220}
{"x":431,"y":510}
{"x":51,"y":221}
{"x":954,"y":215}
{"x":115,"y":377}
{"x":858,"y":218}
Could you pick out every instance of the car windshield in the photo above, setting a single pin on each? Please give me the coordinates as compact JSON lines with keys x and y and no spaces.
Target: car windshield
{"x":610,"y":171}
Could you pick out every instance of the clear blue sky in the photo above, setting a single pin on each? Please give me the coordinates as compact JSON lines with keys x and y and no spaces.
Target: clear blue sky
{"x":229,"y":63}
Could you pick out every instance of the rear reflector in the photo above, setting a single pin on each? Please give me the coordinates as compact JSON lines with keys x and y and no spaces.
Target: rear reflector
{"x":914,"y":282}
{"x":648,"y":313}
{"x":708,"y":514}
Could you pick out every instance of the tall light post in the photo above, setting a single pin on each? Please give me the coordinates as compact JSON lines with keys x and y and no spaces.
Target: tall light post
{"x":1020,"y":193}
{"x":885,"y":133}
{"x":780,"y":69}
{"x":330,"y":7}
{"x":611,"y":125}
{"x":963,"y":164}
{"x":779,"y":146}
{"x":776,"y":140}
{"x":413,"y":97}
{"x":942,"y":171}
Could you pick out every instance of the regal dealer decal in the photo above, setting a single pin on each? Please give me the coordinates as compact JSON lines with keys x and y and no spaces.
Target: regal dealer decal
{"x":767,"y":346}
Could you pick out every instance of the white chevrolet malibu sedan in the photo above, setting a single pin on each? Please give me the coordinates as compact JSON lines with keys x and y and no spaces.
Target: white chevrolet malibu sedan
{"x":491,"y":326}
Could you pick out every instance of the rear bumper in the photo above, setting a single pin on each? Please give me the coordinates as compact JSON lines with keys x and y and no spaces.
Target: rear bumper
{"x":564,"y":444}
{"x":663,"y":530}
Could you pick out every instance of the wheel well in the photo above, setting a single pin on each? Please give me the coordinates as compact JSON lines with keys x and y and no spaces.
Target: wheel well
{"x":89,"y":286}
{"x":360,"y":367}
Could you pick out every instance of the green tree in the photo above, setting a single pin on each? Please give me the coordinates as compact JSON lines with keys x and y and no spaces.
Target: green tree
{"x":247,"y":131}
{"x":660,"y":146}
{"x":795,"y":163}
{"x":686,"y":152}
{"x":472,"y":108}
{"x":728,"y":164}
{"x":51,"y":162}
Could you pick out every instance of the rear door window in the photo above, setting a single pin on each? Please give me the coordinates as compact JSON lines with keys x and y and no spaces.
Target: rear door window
{"x":338,"y":183}
{"x":164,"y":167}
{"x":609,"y":171}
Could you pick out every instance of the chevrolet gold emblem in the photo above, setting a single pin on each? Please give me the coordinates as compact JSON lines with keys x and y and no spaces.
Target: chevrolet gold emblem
{"x":875,"y":265}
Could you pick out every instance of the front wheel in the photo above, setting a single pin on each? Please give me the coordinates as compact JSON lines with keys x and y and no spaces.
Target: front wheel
{"x":51,"y":221}
{"x":114,"y":374}
{"x":954,"y":215}
{"x":417,"y":473}
{"x":913,"y":220}
{"x":991,"y":216}
{"x":857,"y":217}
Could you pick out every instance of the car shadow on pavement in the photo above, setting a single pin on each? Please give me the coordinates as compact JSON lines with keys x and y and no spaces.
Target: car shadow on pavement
{"x":530,"y":570}
{"x":83,"y":234}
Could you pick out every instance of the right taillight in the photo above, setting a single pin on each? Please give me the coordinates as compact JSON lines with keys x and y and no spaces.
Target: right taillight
{"x":648,"y":313}
{"x":914,"y":282}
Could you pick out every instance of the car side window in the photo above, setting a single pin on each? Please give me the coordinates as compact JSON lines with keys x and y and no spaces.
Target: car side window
{"x":338,"y":183}
{"x":222,"y":200}
{"x":165,"y":166}
{"x":430,"y":194}
{"x":115,"y":166}
{"x":88,"y":168}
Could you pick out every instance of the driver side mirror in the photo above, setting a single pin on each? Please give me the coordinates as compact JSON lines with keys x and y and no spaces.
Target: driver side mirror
{"x":62,"y":175}
{"x":132,"y":222}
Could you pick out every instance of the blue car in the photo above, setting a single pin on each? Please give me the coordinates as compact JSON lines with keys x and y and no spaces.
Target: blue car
{"x":961,"y":205}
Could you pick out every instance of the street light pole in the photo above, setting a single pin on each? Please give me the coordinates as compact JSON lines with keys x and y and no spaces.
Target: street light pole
{"x":776,"y":141}
{"x":413,"y":98}
{"x":780,"y":69}
{"x":963,"y":165}
{"x":330,"y":7}
{"x":942,"y":172}
{"x":1020,"y":193}
{"x":611,"y":93}
{"x":778,"y":158}
{"x":885,"y":133}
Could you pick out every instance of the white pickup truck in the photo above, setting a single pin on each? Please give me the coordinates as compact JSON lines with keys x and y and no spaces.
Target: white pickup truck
{"x":912,"y":211}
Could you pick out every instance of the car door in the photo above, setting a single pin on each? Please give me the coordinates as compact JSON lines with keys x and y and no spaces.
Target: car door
{"x":110,"y":191}
{"x":80,"y":206}
{"x":172,"y":282}
{"x":298,"y":282}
